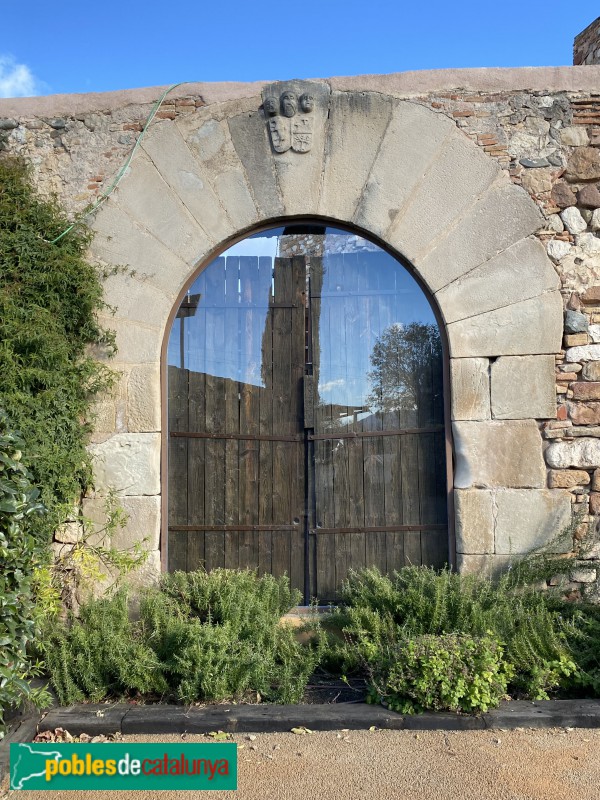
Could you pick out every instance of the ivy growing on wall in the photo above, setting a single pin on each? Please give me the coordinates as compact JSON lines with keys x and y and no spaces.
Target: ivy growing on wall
{"x":49,"y":296}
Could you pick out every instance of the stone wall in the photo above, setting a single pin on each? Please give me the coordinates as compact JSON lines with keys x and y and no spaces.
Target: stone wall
{"x":526,"y":414}
{"x":586,"y":48}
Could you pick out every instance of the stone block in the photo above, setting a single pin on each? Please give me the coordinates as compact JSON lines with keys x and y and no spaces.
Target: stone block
{"x":588,"y":243}
{"x":299,"y":175}
{"x":582,"y":453}
{"x":187,"y":178}
{"x":574,"y":136}
{"x":150,"y":201}
{"x":576,"y":322}
{"x":557,"y":249}
{"x":251,"y":141}
{"x":502,"y":217}
{"x":136,"y":343}
{"x":136,"y":299}
{"x":122,"y":242}
{"x":518,"y":273}
{"x":595,"y":503}
{"x":584,"y":430}
{"x":583,"y":575}
{"x":489,"y":566}
{"x":594,"y":331}
{"x":531,"y":327}
{"x":588,"y":197}
{"x":583,"y":413}
{"x":573,"y":220}
{"x":562,"y":195}
{"x":591,"y":371}
{"x":235,"y":196}
{"x":588,"y":390}
{"x":575,"y":339}
{"x":554,"y":223}
{"x":142,"y":524}
{"x":128,"y":463}
{"x":495,"y":453}
{"x":567,"y":478}
{"x":148,"y":574}
{"x":584,"y":164}
{"x":143,"y":398}
{"x":357,"y":124}
{"x":595,"y":221}
{"x":411,"y":143}
{"x":109,"y":407}
{"x":474,"y":521}
{"x":68,"y":533}
{"x":596,"y":481}
{"x":458,"y":173}
{"x":523,"y":387}
{"x":470,"y":388}
{"x":591,"y":294}
{"x":589,"y":352}
{"x":538,"y":181}
{"x":208,"y":137}
{"x":527,"y":519}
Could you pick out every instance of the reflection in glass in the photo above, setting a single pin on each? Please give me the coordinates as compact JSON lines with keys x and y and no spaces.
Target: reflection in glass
{"x":305,"y":395}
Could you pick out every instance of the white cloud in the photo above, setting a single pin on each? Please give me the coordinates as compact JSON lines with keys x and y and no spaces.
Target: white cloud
{"x":16,"y":80}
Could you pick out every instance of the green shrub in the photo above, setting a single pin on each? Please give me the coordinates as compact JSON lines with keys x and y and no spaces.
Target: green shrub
{"x":19,"y":553}
{"x":583,"y":637}
{"x":453,"y":672}
{"x":199,"y":636}
{"x":382,"y":611}
{"x":100,"y":653}
{"x":49,"y":296}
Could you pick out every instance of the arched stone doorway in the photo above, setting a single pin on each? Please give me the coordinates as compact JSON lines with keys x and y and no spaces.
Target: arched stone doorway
{"x":306,"y":413}
{"x":411,"y":181}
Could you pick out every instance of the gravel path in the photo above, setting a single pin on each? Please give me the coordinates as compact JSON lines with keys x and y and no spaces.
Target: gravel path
{"x":548,"y":764}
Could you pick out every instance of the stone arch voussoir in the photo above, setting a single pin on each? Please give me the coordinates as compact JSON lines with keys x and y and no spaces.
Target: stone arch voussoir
{"x":401,"y":173}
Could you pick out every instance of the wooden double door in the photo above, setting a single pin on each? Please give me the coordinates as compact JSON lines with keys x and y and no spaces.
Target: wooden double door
{"x":306,"y":422}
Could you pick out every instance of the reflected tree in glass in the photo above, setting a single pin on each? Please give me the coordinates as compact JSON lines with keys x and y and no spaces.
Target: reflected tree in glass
{"x":403,"y":359}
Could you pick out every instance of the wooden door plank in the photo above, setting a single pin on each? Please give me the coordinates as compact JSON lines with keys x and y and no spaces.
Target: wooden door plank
{"x":296,"y":410}
{"x":249,"y":410}
{"x":413,"y":555}
{"x":265,"y":418}
{"x":214,"y":493}
{"x":178,"y":549}
{"x":177,"y":466}
{"x":434,"y":548}
{"x":195,"y":470}
{"x":281,"y":378}
{"x":394,"y":547}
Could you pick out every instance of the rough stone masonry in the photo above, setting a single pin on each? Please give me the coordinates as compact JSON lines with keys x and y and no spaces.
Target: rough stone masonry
{"x":486,"y":181}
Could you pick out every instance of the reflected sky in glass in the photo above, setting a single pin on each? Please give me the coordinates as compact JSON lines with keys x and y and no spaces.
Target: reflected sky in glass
{"x":354,"y":293}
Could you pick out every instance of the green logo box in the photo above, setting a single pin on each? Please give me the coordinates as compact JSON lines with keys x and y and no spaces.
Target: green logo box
{"x":118,"y":766}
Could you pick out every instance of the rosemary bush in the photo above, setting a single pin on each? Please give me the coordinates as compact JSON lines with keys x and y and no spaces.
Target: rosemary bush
{"x":380,"y":613}
{"x":198,"y":636}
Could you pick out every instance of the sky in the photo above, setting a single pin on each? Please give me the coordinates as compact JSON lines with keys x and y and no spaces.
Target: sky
{"x":65,"y":47}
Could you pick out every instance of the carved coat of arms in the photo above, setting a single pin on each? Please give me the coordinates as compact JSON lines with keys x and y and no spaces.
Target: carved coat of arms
{"x":290,"y":122}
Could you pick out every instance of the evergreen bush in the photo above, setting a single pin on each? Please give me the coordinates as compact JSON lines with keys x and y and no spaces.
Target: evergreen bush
{"x":49,"y":296}
{"x":199,"y":636}
{"x":380,"y":612}
{"x":452,"y":672}
{"x":20,"y":552}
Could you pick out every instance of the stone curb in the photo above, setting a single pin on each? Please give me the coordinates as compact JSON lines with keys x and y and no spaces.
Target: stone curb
{"x":157,"y":719}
